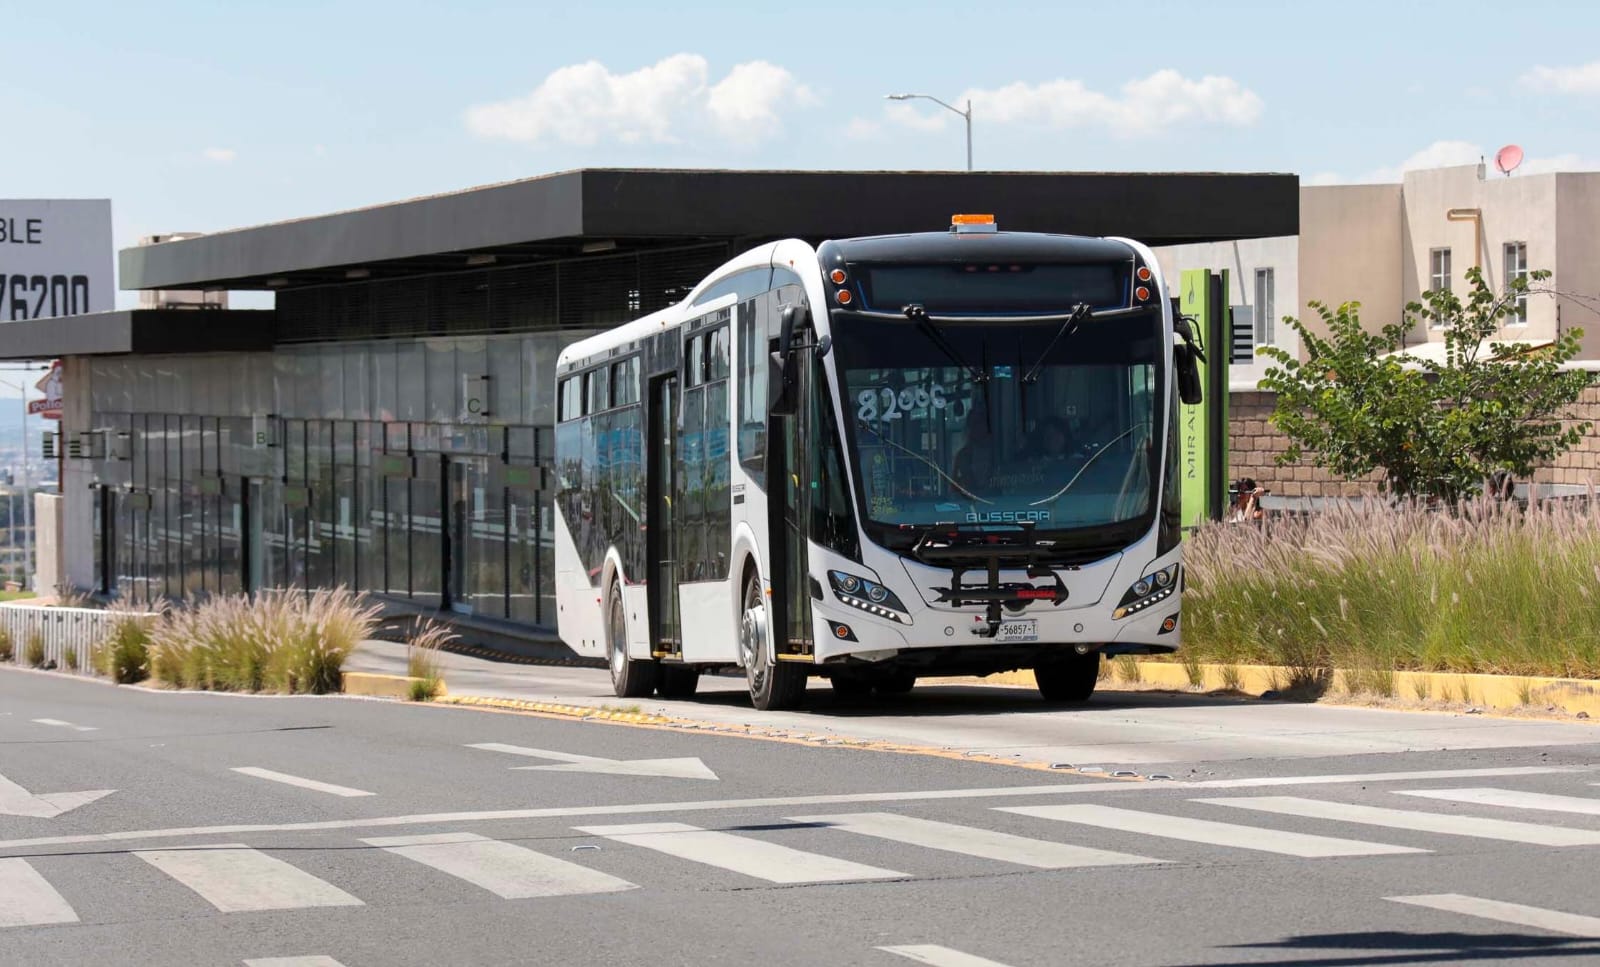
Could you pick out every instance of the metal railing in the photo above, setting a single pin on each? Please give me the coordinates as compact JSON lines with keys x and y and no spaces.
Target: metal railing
{"x":84,"y":630}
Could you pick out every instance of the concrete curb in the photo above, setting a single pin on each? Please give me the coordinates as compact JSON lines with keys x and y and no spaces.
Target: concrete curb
{"x":1500,"y":692}
{"x":383,"y":686}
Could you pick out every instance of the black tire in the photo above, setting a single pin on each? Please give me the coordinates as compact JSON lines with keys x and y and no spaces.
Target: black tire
{"x":898,"y":683}
{"x":630,"y":678}
{"x":850,"y":686}
{"x":1071,"y":678}
{"x":676,"y":681}
{"x":774,"y":685}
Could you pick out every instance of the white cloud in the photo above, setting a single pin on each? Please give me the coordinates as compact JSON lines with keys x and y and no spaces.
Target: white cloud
{"x":1583,"y":79}
{"x":1143,"y":106}
{"x":1444,"y":154}
{"x":862,"y":129}
{"x":219,"y":155}
{"x":744,"y":105}
{"x":586,"y":103}
{"x":908,"y":116}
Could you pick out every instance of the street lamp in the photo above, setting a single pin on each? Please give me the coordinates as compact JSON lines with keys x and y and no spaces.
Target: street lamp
{"x":967,"y":115}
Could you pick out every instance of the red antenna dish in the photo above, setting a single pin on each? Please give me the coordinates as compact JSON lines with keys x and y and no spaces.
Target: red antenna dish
{"x":1507,"y":158}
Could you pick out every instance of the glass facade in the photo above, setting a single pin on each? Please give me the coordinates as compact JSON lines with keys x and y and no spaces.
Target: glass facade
{"x":411,"y":468}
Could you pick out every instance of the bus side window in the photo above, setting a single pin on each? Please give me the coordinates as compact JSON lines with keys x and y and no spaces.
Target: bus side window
{"x":752,"y":386}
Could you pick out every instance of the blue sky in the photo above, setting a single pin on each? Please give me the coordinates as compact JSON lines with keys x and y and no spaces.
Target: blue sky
{"x":205,"y":116}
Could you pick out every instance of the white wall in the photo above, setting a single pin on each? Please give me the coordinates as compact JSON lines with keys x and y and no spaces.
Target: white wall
{"x":1242,"y":259}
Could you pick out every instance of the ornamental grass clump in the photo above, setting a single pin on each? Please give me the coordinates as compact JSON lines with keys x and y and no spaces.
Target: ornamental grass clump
{"x":423,"y":645}
{"x":124,"y":657}
{"x":283,"y":642}
{"x":1371,"y":588}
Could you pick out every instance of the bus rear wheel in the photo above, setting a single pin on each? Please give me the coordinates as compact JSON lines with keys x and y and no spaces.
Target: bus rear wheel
{"x":773,"y":684}
{"x":1069,"y":678}
{"x":629,"y":678}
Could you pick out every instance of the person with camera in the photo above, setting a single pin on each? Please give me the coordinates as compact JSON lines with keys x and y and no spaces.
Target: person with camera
{"x":1245,"y":503}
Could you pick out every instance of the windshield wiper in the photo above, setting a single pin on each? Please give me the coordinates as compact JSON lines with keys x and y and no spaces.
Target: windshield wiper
{"x":1080,"y":314}
{"x":918,"y":313}
{"x":864,"y":425}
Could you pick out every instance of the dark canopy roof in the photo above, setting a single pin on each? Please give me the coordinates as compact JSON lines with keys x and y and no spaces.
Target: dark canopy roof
{"x":592,"y":210}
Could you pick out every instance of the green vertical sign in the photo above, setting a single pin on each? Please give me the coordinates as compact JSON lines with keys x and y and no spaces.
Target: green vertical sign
{"x":1194,"y":301}
{"x":1203,"y":429}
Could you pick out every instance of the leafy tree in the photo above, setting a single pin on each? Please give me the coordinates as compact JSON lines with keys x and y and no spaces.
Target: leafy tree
{"x":1434,"y":430}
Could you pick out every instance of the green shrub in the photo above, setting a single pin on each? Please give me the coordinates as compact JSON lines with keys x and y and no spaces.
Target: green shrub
{"x":69,"y":658}
{"x":8,"y":650}
{"x":33,"y":653}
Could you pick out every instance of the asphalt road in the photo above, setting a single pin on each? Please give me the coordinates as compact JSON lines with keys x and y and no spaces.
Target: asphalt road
{"x":249,"y":829}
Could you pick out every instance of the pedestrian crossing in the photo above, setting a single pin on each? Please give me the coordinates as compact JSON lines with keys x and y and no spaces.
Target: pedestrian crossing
{"x":569,"y":861}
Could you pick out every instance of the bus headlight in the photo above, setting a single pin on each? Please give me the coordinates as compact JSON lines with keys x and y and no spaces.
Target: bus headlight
{"x":869,"y":596}
{"x":1147,"y":591}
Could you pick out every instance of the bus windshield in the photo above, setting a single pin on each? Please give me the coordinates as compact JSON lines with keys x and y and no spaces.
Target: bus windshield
{"x":944,"y":425}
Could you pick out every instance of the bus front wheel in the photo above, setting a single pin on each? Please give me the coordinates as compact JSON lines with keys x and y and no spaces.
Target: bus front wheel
{"x":629,"y":678}
{"x":1069,"y":678}
{"x":773,"y":684}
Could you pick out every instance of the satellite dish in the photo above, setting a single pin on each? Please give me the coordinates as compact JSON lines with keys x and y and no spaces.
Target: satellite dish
{"x":1507,"y":158}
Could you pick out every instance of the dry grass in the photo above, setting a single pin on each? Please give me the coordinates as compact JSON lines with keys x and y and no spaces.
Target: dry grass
{"x":281,"y":642}
{"x":124,"y":656}
{"x":33,"y":653}
{"x":8,"y":648}
{"x":423,"y":644}
{"x":1489,"y":588}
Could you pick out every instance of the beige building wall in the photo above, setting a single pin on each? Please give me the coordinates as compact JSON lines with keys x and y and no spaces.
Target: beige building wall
{"x":1242,"y":259}
{"x":1351,"y":251}
{"x":1577,"y":264}
{"x":1519,"y":208}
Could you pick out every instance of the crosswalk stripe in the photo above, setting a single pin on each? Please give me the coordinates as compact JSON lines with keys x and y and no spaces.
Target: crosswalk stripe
{"x":293,"y":962}
{"x":507,"y":870}
{"x":1511,"y":799}
{"x":938,"y":956}
{"x":971,"y":841}
{"x":288,"y":780}
{"x":1206,"y":831}
{"x":1502,"y":829}
{"x":752,"y":857}
{"x":1523,"y":916}
{"x":27,"y":900}
{"x":235,"y":879}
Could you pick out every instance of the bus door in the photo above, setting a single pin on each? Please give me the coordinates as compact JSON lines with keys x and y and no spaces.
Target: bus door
{"x":661,"y":538}
{"x":789,"y":499}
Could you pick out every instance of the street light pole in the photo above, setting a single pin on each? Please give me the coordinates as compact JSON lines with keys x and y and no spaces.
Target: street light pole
{"x":966,"y":115}
{"x":27,"y":531}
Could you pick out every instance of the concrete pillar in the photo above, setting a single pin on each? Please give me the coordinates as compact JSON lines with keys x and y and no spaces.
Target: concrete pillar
{"x":75,"y":534}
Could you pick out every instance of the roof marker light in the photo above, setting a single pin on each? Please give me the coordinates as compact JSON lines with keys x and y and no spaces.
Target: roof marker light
{"x":972,"y":223}
{"x":1144,"y":273}
{"x":843,"y":295}
{"x":838,"y":276}
{"x":1142,"y":292}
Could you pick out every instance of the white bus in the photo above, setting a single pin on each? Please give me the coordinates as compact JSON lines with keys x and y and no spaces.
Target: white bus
{"x":946,"y":453}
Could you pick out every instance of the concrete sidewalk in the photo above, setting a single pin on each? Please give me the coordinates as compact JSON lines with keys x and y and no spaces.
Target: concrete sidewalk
{"x":1116,"y":728}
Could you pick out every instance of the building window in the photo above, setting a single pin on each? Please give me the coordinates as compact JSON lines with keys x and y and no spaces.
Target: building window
{"x":1438,"y":273}
{"x":1265,"y":307}
{"x":1517,"y":268}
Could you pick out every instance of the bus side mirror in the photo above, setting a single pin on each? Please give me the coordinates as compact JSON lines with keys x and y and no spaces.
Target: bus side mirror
{"x":1186,"y":359}
{"x":824,"y":346}
{"x":1188,"y":372}
{"x":781,"y":380}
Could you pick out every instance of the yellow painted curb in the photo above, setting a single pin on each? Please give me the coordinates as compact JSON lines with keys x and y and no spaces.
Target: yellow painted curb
{"x":1502,"y":692}
{"x":776,"y":734}
{"x":382,"y":686}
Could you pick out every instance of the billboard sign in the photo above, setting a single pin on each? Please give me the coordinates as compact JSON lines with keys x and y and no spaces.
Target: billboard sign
{"x":55,"y":258}
{"x":50,"y":386}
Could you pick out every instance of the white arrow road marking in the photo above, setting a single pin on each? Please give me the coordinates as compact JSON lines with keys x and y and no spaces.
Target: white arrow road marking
{"x":293,"y":962}
{"x":289,"y":780}
{"x":26,"y":900}
{"x":17,"y":801}
{"x":1523,"y":916}
{"x":938,"y":956}
{"x":66,"y":725}
{"x":688,"y":767}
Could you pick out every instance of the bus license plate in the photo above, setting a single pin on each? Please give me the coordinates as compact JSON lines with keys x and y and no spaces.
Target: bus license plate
{"x":1018,"y":631}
